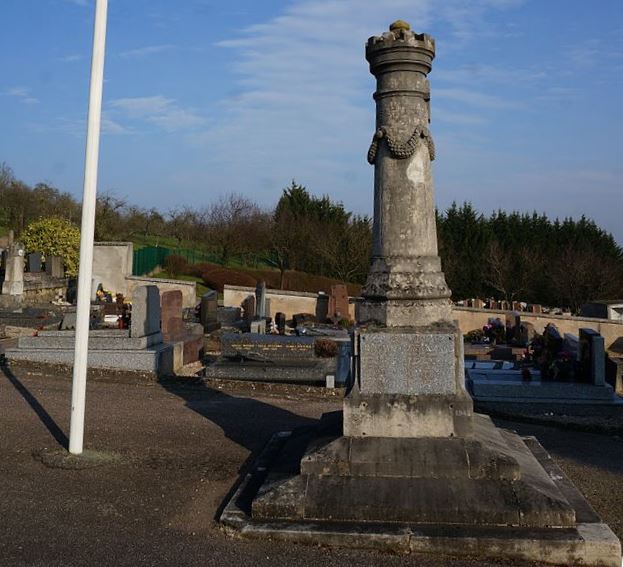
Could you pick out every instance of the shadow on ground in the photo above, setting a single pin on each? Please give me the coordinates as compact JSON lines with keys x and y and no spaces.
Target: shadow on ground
{"x":32,"y":401}
{"x":247,"y":421}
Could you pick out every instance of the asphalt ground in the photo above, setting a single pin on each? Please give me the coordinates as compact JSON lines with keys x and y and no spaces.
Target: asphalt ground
{"x":179,"y":450}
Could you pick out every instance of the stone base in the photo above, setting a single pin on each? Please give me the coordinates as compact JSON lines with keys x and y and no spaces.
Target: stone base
{"x":303,"y":372}
{"x":495,"y":497}
{"x":500,"y":386}
{"x":397,"y":415}
{"x":402,"y":312}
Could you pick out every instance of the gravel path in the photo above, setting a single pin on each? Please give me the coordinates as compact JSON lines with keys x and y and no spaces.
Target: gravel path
{"x":180,"y":450}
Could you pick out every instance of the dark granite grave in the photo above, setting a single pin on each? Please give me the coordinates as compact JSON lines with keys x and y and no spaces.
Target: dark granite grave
{"x":270,"y":358}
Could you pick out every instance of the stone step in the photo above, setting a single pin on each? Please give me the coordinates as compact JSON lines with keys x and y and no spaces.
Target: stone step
{"x":96,"y":342}
{"x":157,"y":359}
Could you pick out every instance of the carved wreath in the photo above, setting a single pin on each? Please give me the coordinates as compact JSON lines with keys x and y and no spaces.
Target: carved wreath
{"x":401,"y":150}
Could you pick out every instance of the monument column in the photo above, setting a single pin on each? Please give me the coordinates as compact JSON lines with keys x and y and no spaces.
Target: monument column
{"x":405,"y":286}
{"x":410,"y":379}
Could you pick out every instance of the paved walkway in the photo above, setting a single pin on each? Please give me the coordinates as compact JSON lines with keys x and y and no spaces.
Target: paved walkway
{"x":182,"y":450}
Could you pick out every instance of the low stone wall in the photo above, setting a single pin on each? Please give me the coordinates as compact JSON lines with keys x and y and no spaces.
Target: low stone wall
{"x":471,"y":318}
{"x":288,"y":302}
{"x":188,"y":289}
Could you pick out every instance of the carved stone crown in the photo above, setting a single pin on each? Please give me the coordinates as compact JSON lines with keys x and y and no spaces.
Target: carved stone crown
{"x":401,"y":31}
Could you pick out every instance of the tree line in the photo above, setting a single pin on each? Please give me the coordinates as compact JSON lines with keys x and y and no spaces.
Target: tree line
{"x":508,"y":256}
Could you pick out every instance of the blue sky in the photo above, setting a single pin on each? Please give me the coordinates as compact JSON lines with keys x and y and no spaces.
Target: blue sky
{"x":205,"y":97}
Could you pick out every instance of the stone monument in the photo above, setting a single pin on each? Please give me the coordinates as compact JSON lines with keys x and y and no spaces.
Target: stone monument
{"x":408,"y":465}
{"x":13,"y":283}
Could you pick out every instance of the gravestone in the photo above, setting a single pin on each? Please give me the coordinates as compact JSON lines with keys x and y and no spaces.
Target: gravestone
{"x":478,"y":304}
{"x":267,"y":347}
{"x":96,"y":282}
{"x":34,"y":262}
{"x":229,"y":316}
{"x":208,"y":311}
{"x":338,"y":302}
{"x":410,"y":466}
{"x":322,"y":307}
{"x":171,"y":308}
{"x":54,"y":267}
{"x":535,"y":308}
{"x":260,"y":300}
{"x":248,"y":308}
{"x":280,"y":322}
{"x":258,"y":327}
{"x":13,"y":283}
{"x":592,"y":357}
{"x":145,"y":311}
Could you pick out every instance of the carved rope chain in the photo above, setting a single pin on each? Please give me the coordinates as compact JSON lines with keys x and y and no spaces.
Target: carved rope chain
{"x":401,"y":150}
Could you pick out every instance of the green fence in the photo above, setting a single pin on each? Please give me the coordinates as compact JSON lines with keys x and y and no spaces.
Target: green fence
{"x":148,"y":258}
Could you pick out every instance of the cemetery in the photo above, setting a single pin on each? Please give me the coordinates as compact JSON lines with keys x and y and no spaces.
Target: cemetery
{"x":320,"y":427}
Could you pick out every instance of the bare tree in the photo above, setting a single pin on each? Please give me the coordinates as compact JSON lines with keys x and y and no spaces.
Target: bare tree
{"x":235,"y":227}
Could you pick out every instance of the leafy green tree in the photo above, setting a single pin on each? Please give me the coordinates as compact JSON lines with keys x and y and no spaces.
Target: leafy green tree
{"x":54,"y":236}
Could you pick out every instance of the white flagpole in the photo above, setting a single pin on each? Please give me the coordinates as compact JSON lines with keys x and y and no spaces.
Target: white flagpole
{"x":78,"y":392}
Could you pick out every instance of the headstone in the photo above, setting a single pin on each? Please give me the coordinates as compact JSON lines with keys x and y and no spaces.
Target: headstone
{"x":479,"y":304}
{"x":592,"y":357}
{"x":208,"y":310}
{"x":228,"y":316}
{"x":260,"y":300}
{"x":535,"y":308}
{"x":516,"y":306}
{"x":96,"y":282}
{"x":72,"y":291}
{"x":248,"y":308}
{"x":280,"y":322}
{"x":571,"y":343}
{"x":145,"y":311}
{"x":322,"y":307}
{"x":13,"y":283}
{"x":69,"y":321}
{"x":54,"y":267}
{"x":34,"y":262}
{"x":338,"y":302}
{"x":258,"y":326}
{"x":171,"y":308}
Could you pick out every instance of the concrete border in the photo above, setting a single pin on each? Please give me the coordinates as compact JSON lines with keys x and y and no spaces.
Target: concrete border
{"x":590,"y":543}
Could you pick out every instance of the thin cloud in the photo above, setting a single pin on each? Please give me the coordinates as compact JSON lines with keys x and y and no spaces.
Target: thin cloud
{"x":146,"y":51}
{"x":159,"y":110}
{"x":22,"y":94}
{"x":71,"y":58}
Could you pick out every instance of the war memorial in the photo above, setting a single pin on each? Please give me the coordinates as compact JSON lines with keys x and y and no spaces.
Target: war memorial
{"x":407,"y":465}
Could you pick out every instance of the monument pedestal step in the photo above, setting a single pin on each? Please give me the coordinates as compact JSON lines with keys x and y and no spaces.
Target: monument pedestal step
{"x":567,"y":530}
